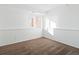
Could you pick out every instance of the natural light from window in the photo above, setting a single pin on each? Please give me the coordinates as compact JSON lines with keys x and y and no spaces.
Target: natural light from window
{"x":49,"y":26}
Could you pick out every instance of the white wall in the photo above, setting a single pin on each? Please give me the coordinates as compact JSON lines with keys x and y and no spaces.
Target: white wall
{"x":15,"y":25}
{"x":67,"y":36}
{"x":67,"y":24}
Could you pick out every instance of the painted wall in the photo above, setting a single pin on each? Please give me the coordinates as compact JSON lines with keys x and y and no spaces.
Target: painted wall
{"x":15,"y":25}
{"x":67,"y":24}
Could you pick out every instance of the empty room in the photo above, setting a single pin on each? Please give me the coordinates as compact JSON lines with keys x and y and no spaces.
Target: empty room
{"x":39,"y":29}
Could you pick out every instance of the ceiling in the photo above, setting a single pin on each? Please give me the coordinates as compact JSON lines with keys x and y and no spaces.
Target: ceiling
{"x":40,"y":8}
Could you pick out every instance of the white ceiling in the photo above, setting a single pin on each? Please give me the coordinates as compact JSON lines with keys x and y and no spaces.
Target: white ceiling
{"x":41,"y":8}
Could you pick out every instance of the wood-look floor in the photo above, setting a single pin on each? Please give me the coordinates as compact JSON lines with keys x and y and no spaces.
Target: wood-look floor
{"x":40,"y":46}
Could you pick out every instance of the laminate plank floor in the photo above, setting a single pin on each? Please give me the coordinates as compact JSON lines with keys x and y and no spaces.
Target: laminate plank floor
{"x":40,"y":46}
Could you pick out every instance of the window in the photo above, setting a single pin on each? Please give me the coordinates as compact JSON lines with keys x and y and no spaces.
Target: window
{"x":36,"y":22}
{"x":49,"y":26}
